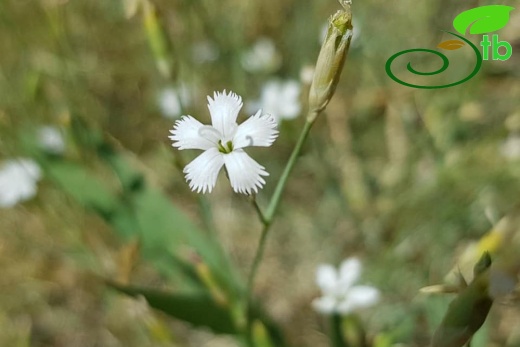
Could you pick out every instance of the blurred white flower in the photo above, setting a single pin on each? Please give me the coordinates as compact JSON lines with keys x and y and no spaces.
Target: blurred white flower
{"x":223,"y":143}
{"x":307,"y":74}
{"x":279,"y":99}
{"x":510,"y":148}
{"x":51,"y":139}
{"x":130,"y":7}
{"x":172,"y":100}
{"x":262,"y":57}
{"x":340,"y":295}
{"x":204,"y":52}
{"x":18,"y":178}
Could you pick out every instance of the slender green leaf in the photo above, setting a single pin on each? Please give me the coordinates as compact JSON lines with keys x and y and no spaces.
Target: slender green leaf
{"x":198,"y":309}
{"x":261,"y":335}
{"x":130,"y":179}
{"x":163,"y":226}
{"x":83,"y":186}
{"x":468,"y":311}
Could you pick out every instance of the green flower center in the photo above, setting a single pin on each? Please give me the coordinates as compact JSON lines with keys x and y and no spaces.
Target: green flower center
{"x":225,"y":148}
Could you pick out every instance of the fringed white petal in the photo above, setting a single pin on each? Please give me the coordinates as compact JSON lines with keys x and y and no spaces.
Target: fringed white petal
{"x":224,"y":110}
{"x":244,"y":173}
{"x":202,"y":172}
{"x":189,"y":133}
{"x":259,"y":130}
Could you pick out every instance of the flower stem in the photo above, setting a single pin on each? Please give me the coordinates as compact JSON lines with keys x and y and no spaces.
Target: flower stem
{"x":275,"y":199}
{"x":336,"y":333}
{"x":256,"y":261}
{"x":267,"y":218}
{"x":258,"y":210}
{"x":250,"y":280}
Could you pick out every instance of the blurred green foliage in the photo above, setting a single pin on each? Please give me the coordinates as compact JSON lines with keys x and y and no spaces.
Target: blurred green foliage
{"x":402,"y":178}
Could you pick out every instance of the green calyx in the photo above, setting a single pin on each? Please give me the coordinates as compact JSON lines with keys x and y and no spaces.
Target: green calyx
{"x":341,"y":21}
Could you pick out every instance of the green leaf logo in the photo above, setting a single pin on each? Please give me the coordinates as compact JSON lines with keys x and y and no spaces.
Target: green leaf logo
{"x":483,"y":19}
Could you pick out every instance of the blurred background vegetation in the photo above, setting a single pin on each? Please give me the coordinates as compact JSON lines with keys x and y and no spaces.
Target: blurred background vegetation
{"x":402,"y":178}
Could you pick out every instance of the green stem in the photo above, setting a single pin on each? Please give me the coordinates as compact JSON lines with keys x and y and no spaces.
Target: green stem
{"x":258,"y":210}
{"x":336,"y":333}
{"x":275,"y":199}
{"x":250,"y":281}
{"x":256,"y":261}
{"x":268,"y":217}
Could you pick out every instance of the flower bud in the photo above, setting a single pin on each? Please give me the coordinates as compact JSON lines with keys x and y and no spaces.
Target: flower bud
{"x":330,"y":61}
{"x":468,"y":311}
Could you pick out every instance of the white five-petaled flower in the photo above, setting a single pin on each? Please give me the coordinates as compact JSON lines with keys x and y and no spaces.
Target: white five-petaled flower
{"x":171,"y":101}
{"x":510,"y":148}
{"x":340,"y":295}
{"x":223,"y":144}
{"x":18,"y":180}
{"x":262,"y":57}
